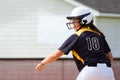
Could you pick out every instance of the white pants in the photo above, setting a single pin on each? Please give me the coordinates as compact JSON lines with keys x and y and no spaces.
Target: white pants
{"x":100,"y":72}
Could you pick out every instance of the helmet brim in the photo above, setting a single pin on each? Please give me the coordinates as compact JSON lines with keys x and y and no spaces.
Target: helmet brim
{"x":72,"y":17}
{"x":79,"y":17}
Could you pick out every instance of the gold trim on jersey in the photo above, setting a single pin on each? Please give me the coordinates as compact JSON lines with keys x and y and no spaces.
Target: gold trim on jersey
{"x":79,"y":33}
{"x":85,"y":29}
{"x":77,"y":56}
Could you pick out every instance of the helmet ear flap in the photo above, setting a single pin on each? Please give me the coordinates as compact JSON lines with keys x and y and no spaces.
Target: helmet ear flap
{"x":84,"y":22}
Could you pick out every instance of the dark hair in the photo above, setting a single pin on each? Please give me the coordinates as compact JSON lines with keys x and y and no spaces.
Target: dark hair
{"x":93,"y":27}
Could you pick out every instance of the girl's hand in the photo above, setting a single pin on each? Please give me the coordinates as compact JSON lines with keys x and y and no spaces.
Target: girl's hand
{"x":40,"y":66}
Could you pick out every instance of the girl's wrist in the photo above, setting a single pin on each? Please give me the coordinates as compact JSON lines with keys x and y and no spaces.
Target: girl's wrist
{"x":42,"y":63}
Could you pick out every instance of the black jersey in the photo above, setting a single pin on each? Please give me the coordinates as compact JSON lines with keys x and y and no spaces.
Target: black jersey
{"x":87,"y":47}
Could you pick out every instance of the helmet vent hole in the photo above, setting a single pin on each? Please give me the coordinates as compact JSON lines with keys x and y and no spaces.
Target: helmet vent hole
{"x":84,"y":21}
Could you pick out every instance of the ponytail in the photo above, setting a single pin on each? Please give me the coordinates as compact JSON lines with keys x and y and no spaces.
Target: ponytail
{"x":93,"y":27}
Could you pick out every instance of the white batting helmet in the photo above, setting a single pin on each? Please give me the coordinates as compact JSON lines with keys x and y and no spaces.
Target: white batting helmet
{"x":83,"y":14}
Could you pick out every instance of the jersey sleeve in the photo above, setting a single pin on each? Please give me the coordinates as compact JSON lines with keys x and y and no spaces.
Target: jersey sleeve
{"x":68,"y":44}
{"x":106,"y":46}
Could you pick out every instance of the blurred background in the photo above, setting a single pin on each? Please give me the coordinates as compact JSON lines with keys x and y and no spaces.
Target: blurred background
{"x":32,"y":29}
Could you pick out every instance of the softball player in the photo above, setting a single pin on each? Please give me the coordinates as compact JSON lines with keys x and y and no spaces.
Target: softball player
{"x":90,"y":50}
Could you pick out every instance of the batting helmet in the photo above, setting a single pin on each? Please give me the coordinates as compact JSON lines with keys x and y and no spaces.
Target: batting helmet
{"x":83,"y":14}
